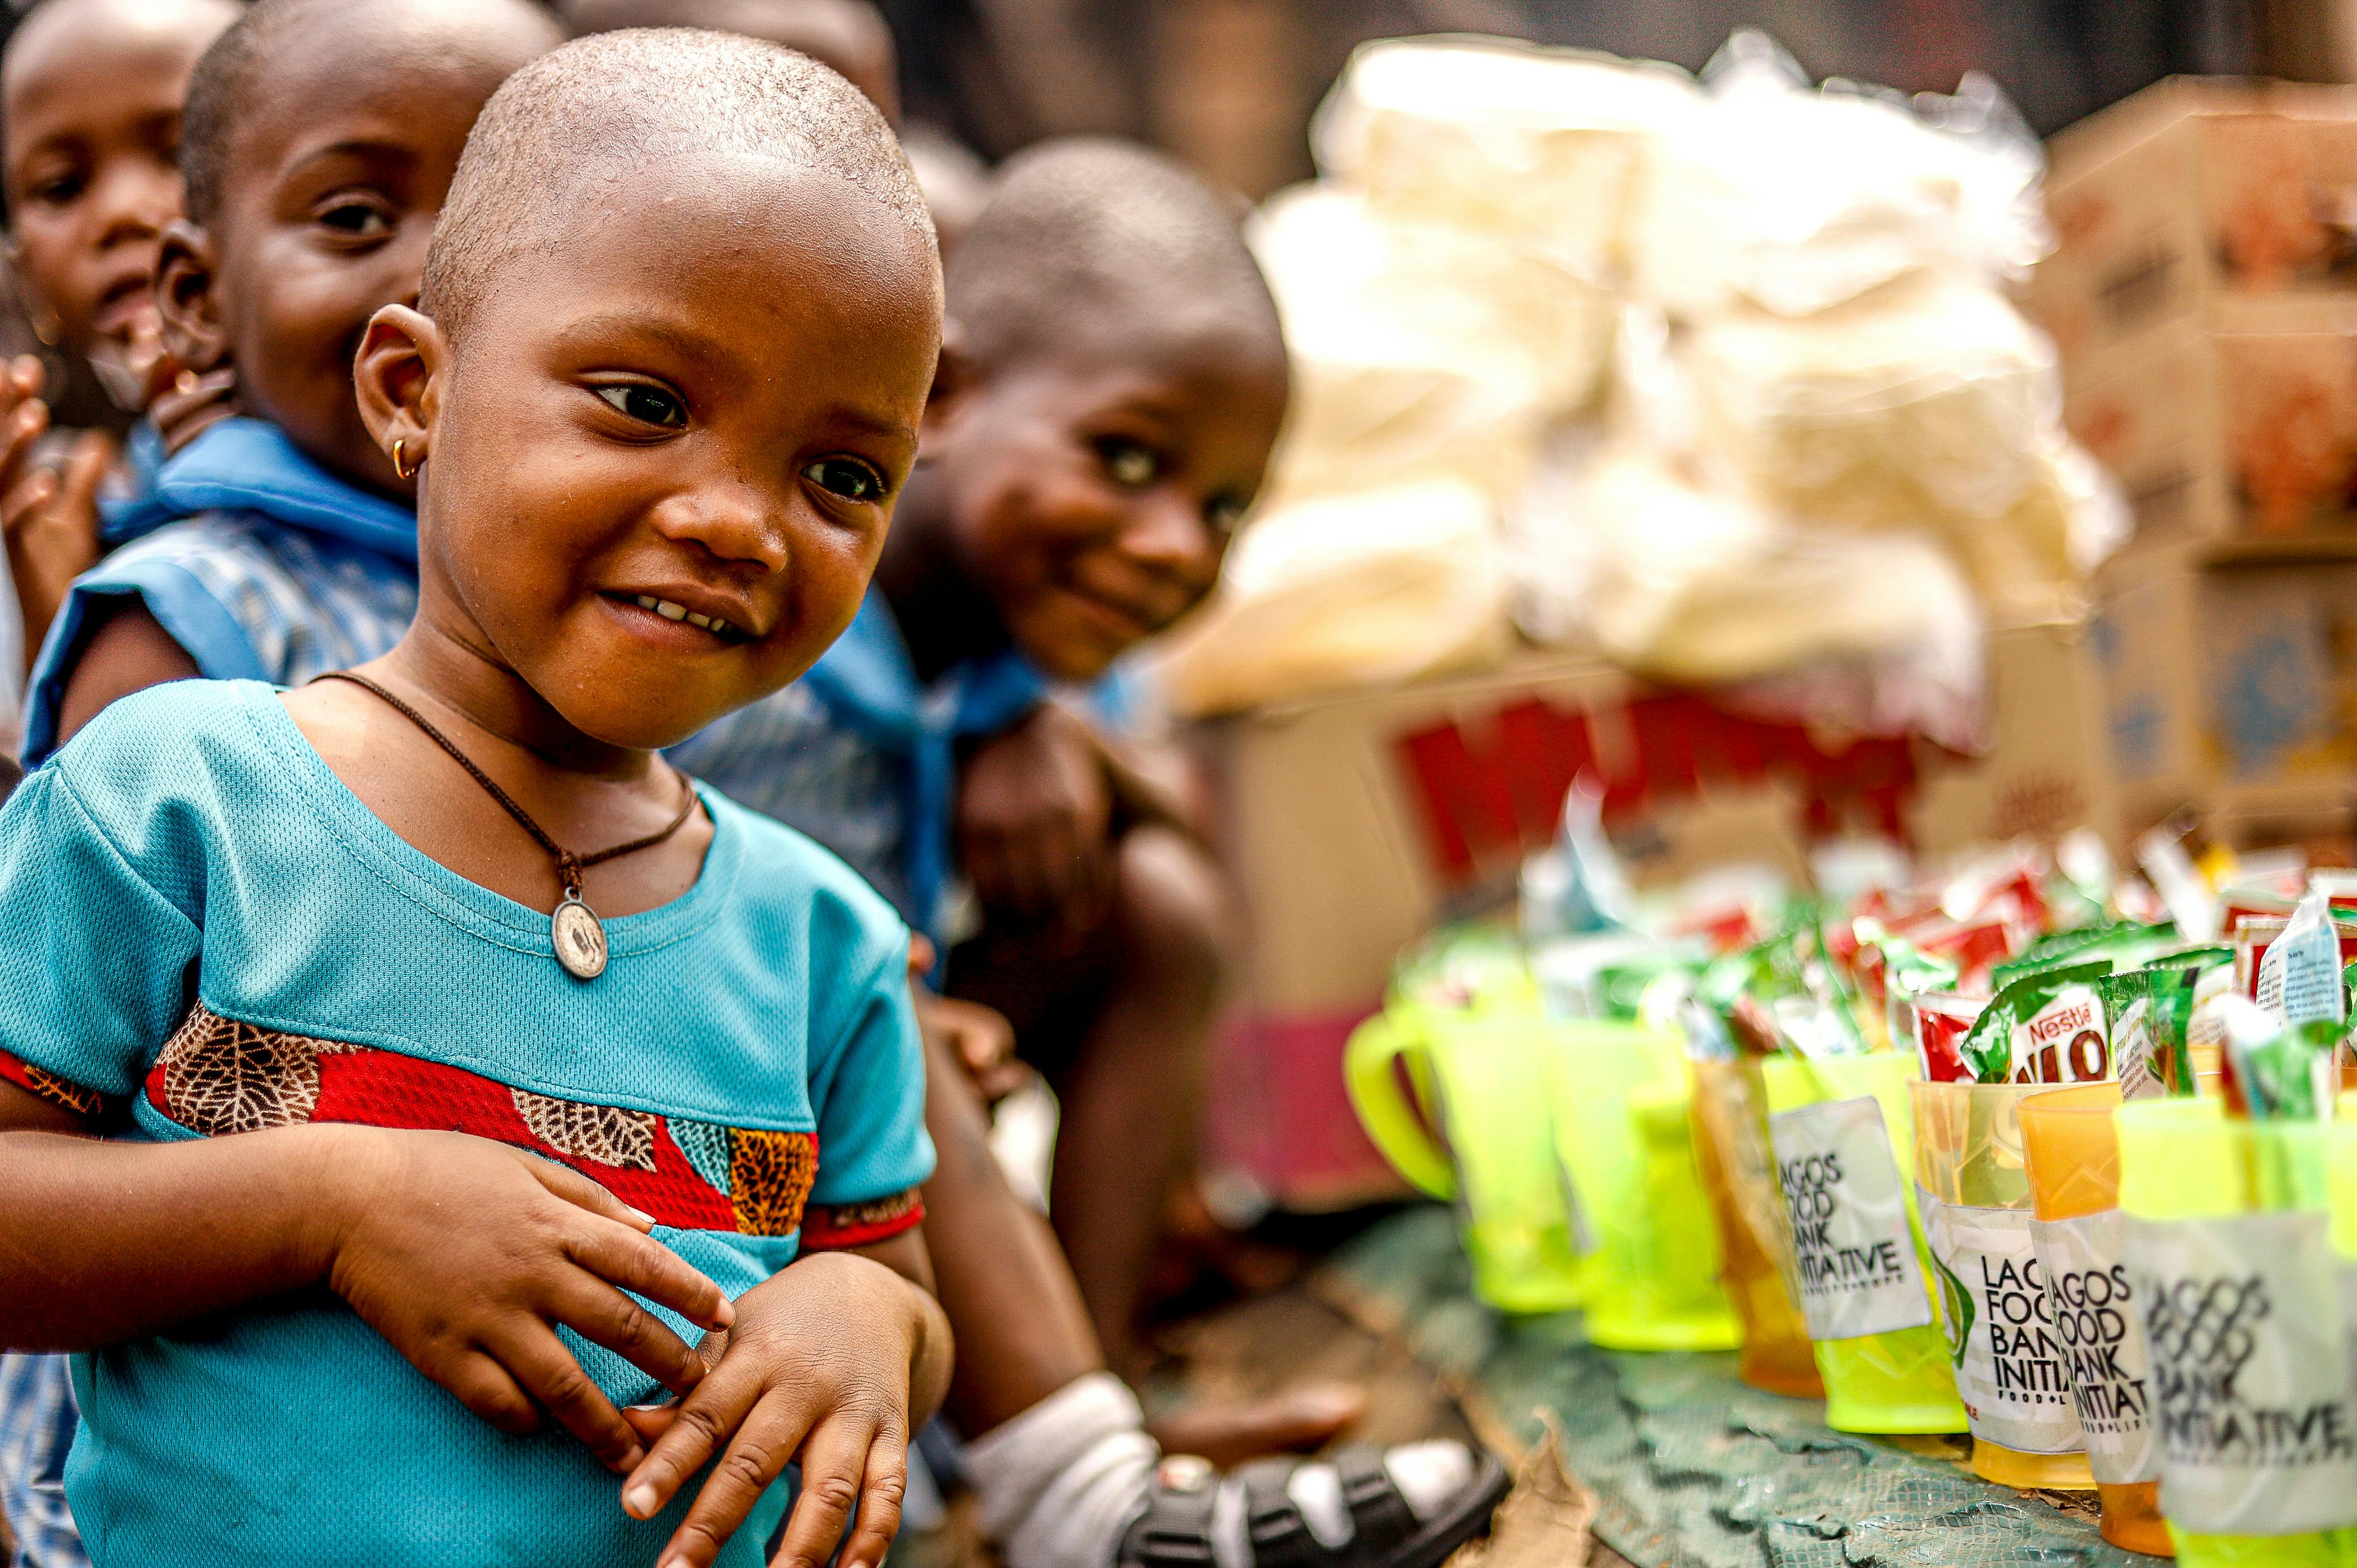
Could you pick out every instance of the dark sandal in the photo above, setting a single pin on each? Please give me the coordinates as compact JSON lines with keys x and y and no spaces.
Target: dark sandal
{"x":1174,"y":1531}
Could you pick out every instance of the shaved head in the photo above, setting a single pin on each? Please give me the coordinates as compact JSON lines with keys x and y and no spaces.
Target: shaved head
{"x":52,"y":20}
{"x":1091,"y":246}
{"x":849,"y":36}
{"x":589,"y":115}
{"x":233,"y":81}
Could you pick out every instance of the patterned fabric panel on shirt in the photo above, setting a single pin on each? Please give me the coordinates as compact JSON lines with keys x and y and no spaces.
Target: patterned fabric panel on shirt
{"x":305,"y":602}
{"x":217,"y":1077}
{"x":37,"y":1428}
{"x":788,"y":758}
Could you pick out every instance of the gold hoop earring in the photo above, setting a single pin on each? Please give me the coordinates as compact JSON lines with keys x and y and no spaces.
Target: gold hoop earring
{"x":410,"y":472}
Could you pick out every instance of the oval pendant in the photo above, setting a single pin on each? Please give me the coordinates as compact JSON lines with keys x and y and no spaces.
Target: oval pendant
{"x":579,"y":940}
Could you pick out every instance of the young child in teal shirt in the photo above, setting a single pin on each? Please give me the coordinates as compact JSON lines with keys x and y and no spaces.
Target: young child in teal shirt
{"x":424,"y":1152}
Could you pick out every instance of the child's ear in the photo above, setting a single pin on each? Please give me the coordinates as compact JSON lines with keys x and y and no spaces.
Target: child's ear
{"x":193,"y":329}
{"x":397,"y":375}
{"x":956,"y":376}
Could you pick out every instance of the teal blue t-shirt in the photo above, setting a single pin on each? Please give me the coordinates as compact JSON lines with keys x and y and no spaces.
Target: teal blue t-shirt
{"x":198,"y":922}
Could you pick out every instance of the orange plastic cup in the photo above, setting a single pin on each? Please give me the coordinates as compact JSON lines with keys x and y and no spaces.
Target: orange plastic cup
{"x":1968,"y":1159}
{"x":2073,"y":1150}
{"x":1738,"y":1176}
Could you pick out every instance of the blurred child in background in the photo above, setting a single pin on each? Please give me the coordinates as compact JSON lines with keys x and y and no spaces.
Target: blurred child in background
{"x":91,"y":94}
{"x":1113,"y":378}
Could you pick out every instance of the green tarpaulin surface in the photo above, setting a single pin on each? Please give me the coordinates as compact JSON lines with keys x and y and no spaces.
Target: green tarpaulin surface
{"x":1692,"y":1468}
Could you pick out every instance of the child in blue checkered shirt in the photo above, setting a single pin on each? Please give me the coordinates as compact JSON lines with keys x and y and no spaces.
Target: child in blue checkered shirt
{"x":283,"y":543}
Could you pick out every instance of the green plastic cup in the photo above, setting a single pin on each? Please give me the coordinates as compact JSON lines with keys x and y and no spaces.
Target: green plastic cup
{"x":2229,"y":1240}
{"x":1622,"y":1105}
{"x":1479,"y":1073}
{"x":1890,"y":1378}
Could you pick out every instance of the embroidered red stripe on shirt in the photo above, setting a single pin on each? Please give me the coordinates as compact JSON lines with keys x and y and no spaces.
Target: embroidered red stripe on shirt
{"x":49,"y":1086}
{"x":831,"y":1227}
{"x":217,"y":1076}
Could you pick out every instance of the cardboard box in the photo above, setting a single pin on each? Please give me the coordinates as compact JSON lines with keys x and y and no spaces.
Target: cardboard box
{"x":2190,"y":192}
{"x":1352,"y":824}
{"x":2242,"y":430}
{"x":2230,"y":686}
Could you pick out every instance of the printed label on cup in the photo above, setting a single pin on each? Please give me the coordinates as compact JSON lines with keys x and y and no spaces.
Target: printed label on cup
{"x":2094,"y":1313}
{"x":2001,"y":1336}
{"x":1851,"y":1248}
{"x":2251,"y":1381}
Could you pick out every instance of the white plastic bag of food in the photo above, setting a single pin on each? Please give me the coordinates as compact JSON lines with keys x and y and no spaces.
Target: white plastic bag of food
{"x":1923,"y":401}
{"x":1693,"y":584}
{"x":1417,"y":350}
{"x":1777,"y":195}
{"x":1364,"y":589}
{"x":1542,"y":146}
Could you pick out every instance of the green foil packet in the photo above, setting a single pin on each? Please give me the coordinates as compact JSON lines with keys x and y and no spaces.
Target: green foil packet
{"x":2045,"y":1027}
{"x":2149,"y":1010}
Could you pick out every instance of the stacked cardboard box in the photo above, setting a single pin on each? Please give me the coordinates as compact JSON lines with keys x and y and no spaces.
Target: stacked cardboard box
{"x":2203,"y":294}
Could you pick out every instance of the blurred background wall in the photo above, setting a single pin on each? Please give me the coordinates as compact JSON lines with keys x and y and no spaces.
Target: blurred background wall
{"x":1230,"y":84}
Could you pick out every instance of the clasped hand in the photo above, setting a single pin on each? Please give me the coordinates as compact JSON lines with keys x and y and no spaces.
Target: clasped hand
{"x":493,"y":1247}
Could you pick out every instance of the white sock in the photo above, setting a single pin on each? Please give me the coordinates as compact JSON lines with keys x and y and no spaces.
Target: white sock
{"x":1060,"y":1484}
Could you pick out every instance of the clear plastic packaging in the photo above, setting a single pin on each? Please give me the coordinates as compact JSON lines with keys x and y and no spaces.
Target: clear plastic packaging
{"x":1352,"y":590}
{"x":1541,"y":148}
{"x":1419,"y":349}
{"x":1774,"y":194}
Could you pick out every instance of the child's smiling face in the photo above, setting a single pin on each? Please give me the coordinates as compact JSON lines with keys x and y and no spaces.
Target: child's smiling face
{"x":91,"y":102}
{"x":662,"y":451}
{"x":330,"y":186}
{"x":1091,"y":494}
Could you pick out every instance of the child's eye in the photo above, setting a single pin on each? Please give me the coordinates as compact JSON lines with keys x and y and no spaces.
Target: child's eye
{"x":1225,"y":513}
{"x":846,"y":476}
{"x":56,"y":190}
{"x":647,"y":404}
{"x":359,"y":220}
{"x":1132,"y":466}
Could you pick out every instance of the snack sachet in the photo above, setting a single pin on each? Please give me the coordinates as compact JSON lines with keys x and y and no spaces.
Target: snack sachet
{"x":2045,"y":1027}
{"x":2298,"y":976}
{"x":1942,"y":1019}
{"x":2275,"y":1071}
{"x":2254,"y":935}
{"x":2150,"y":1013}
{"x":1889,"y":972}
{"x":2125,"y":945}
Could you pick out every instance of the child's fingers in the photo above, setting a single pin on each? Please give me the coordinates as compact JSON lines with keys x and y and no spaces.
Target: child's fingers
{"x":538,"y":1360}
{"x":646,"y":1267}
{"x":880,"y":1495}
{"x":834,"y":1466}
{"x":23,"y":378}
{"x":484,"y":1387}
{"x":18,"y":433}
{"x":604,"y":1315}
{"x":700,"y":1423}
{"x":650,"y":1421}
{"x":582,"y":1193}
{"x":28,"y":500}
{"x":86,"y":467}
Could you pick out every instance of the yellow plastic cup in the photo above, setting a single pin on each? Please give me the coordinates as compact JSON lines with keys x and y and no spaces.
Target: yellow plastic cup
{"x":1898,"y":1381}
{"x":2073,"y":1154}
{"x":1622,"y":1099}
{"x":2011,"y":1372}
{"x":2183,"y":1163}
{"x":1482,"y":1071}
{"x":1738,"y":1179}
